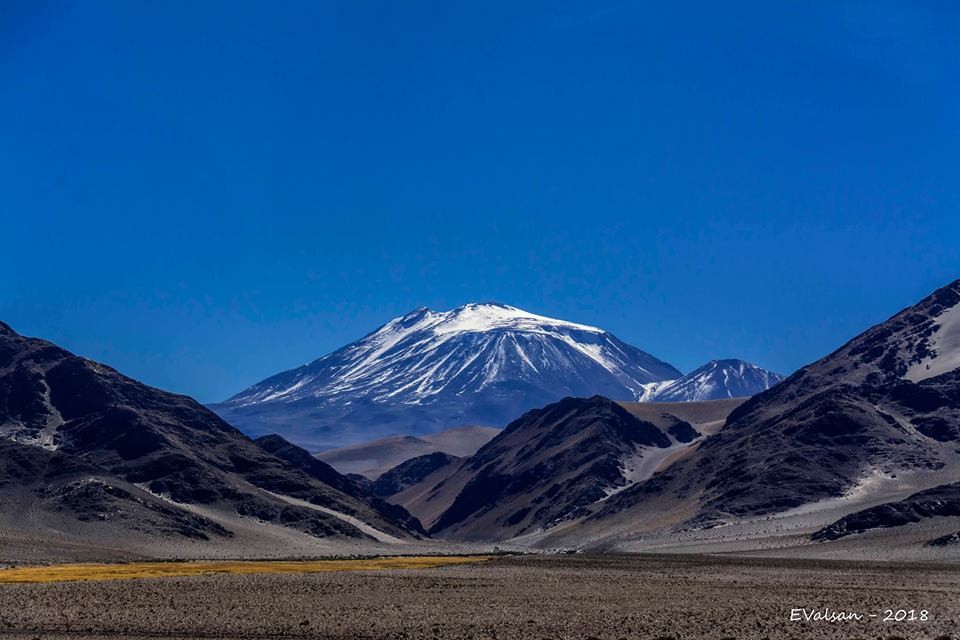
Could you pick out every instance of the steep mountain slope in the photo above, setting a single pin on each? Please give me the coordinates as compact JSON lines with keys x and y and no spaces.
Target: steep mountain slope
{"x":301,"y":459}
{"x":548,"y":466}
{"x":87,"y":440}
{"x":880,"y":411}
{"x":716,"y":380}
{"x":373,"y":458}
{"x":477,"y":364}
{"x":35,"y":480}
{"x":684,"y":422}
{"x":410,"y":472}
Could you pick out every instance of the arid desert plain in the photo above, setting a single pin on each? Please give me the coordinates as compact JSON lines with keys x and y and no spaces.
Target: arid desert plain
{"x":507,"y":597}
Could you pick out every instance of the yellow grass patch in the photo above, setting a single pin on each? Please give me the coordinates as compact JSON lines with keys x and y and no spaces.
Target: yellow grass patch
{"x":72,"y":572}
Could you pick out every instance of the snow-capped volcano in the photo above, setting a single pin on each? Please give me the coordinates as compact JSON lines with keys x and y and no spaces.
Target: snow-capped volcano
{"x":426,"y":355}
{"x":716,"y":380}
{"x":479,"y":363}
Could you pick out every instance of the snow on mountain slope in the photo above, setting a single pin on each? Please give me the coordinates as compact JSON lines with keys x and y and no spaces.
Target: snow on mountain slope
{"x":427,"y":354}
{"x":943,"y":347}
{"x":476,"y":364}
{"x":716,"y":380}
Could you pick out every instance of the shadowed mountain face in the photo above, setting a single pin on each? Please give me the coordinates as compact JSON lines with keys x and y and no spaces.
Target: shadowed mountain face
{"x":80,"y":437}
{"x":481,"y":364}
{"x":301,"y":459}
{"x":884,"y":404}
{"x":546,"y":467}
{"x":63,"y":484}
{"x":410,"y":472}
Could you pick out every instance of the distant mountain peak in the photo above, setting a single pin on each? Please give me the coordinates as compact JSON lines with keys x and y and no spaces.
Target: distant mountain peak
{"x":480,"y":363}
{"x":728,"y":362}
{"x":717,"y":379}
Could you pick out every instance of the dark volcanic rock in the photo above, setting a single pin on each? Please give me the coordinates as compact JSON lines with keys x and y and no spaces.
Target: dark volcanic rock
{"x":363,"y":492}
{"x":945,"y":541}
{"x":408,"y":473}
{"x":363,"y":481}
{"x":24,"y":465}
{"x":94,"y":499}
{"x":871,"y":405}
{"x":681,"y":430}
{"x":939,"y":501}
{"x":303,"y":460}
{"x":111,"y":426}
{"x":546,"y":466}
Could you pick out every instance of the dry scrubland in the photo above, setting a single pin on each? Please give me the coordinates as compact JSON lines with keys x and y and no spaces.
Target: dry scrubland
{"x":550,"y":597}
{"x":87,"y":572}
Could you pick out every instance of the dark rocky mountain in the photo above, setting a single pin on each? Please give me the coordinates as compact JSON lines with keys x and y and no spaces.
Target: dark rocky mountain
{"x":362,"y":481}
{"x":548,"y":466}
{"x":303,"y":460}
{"x":939,"y":502}
{"x":82,"y":439}
{"x":866,"y":439}
{"x":681,"y":430}
{"x":481,"y":364}
{"x":716,"y":380}
{"x":681,"y":423}
{"x":885,"y":403}
{"x":879,"y":414}
{"x":359,"y":489}
{"x":410,"y":472}
{"x":63,"y":484}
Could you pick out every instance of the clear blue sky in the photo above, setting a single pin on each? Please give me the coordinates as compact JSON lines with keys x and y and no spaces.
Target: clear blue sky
{"x":204,"y":193}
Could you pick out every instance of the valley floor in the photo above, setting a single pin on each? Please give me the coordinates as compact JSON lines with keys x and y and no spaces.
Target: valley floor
{"x":522,"y":597}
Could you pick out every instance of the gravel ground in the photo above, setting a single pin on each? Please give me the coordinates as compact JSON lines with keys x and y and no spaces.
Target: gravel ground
{"x":549,"y":597}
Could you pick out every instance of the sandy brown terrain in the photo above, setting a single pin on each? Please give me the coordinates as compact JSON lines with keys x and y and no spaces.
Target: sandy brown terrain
{"x":373,"y":458}
{"x":707,"y":416}
{"x":550,"y":597}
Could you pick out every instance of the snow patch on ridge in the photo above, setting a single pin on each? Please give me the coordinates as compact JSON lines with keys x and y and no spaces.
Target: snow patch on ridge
{"x":944,"y":348}
{"x":474,"y":318}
